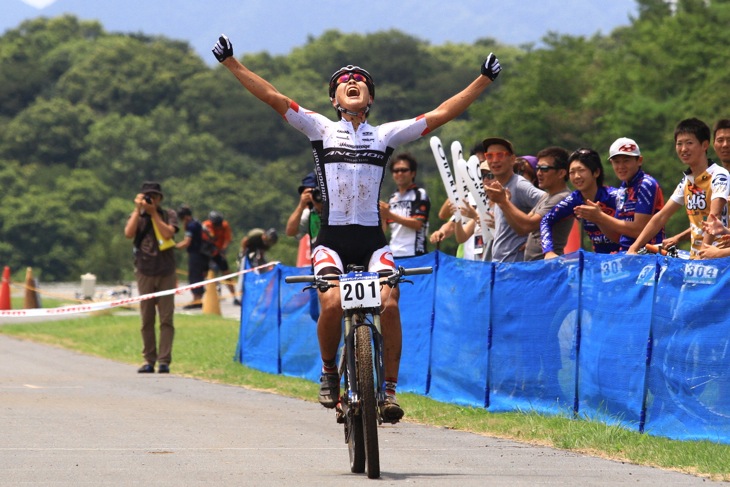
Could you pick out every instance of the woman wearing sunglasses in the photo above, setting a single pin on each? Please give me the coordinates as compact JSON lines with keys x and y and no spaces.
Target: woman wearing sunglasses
{"x":586,"y":175}
{"x":350,"y":157}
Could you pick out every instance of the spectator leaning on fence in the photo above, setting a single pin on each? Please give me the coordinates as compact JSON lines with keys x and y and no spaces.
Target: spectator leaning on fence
{"x":703,"y":189}
{"x":552,"y":174}
{"x":638,"y":198}
{"x":508,"y":245}
{"x":586,"y":174}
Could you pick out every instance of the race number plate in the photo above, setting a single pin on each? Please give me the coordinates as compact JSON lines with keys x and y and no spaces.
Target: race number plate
{"x":360,"y":290}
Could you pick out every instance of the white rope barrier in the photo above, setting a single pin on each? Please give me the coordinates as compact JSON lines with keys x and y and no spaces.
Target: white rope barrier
{"x":104,"y":305}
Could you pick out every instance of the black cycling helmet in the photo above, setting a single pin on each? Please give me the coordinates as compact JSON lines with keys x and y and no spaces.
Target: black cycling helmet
{"x":215,"y":218}
{"x":351,"y":69}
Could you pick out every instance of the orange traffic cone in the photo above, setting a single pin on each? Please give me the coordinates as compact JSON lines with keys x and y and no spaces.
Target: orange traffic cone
{"x":5,"y":290}
{"x":574,"y":238}
{"x":31,"y":300}
{"x":211,"y":304}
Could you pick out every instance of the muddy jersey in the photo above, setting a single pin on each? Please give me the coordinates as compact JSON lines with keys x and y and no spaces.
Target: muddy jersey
{"x":696,"y":193}
{"x":350,"y":164}
{"x":606,"y":199}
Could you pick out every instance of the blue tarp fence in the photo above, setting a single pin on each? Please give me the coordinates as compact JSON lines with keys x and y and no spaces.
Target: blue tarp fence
{"x":641,"y":341}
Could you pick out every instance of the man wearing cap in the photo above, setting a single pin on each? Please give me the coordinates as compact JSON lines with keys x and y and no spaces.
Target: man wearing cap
{"x":255,"y":244}
{"x":638,"y":198}
{"x":526,"y":166}
{"x":152,"y":227}
{"x":508,"y":245}
{"x":305,"y":219}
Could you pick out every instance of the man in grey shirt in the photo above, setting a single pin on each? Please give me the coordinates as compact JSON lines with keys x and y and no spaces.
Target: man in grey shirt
{"x":552,"y":174}
{"x":508,"y":245}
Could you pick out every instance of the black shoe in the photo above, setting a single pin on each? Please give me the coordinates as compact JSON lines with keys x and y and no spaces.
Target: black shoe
{"x":193,"y":306}
{"x":329,"y":390}
{"x":391,"y":411}
{"x":163,"y":369}
{"x":146,"y":369}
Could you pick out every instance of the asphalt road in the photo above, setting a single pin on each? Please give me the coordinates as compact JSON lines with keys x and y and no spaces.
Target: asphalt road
{"x":71,"y":419}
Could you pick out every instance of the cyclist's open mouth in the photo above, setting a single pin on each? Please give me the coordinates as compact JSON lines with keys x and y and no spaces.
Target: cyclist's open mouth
{"x":352,"y":91}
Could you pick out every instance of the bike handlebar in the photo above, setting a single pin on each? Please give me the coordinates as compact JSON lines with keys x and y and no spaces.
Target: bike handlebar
{"x":659,"y":249}
{"x":400,"y":272}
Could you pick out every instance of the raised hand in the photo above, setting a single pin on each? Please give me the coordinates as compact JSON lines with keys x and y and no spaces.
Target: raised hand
{"x":223,"y":49}
{"x":491,"y":67}
{"x":714,"y":226}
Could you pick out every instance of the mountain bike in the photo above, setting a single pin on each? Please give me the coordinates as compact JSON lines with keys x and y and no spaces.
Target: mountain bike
{"x":361,"y":357}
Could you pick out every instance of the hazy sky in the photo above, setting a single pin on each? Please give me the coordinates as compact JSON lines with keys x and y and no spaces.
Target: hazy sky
{"x":278,"y":26}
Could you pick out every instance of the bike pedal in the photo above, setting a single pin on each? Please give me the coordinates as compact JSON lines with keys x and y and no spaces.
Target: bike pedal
{"x":340,"y":414}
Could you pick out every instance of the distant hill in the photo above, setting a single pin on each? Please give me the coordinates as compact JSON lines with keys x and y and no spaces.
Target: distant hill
{"x":277,"y":26}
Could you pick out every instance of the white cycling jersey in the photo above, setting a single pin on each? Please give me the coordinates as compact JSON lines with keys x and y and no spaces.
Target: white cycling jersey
{"x":350,"y":164}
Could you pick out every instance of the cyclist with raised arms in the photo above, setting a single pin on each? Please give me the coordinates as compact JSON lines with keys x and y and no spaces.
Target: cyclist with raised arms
{"x":350,"y":158}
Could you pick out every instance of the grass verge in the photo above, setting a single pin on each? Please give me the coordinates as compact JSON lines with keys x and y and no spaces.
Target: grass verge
{"x":204,"y":349}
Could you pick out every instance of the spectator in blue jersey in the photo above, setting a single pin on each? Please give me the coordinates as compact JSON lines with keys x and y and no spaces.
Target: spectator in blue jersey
{"x":638,"y":198}
{"x":586,"y":175}
{"x":406,"y":212}
{"x":197,"y":261}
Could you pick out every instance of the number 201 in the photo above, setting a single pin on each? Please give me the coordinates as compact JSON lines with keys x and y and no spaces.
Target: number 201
{"x":359,"y":290}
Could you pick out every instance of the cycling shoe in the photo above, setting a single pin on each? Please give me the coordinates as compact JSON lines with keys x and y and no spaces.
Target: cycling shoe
{"x":391,"y":411}
{"x":329,"y":390}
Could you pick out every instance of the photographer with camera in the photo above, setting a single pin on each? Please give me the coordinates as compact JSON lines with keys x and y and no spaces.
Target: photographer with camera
{"x":305,"y":220}
{"x":152,"y":229}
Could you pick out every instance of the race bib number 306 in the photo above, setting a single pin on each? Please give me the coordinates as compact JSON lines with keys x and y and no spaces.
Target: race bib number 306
{"x":360,"y":290}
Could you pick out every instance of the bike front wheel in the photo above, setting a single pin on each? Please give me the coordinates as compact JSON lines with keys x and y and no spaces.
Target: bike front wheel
{"x":369,"y":405}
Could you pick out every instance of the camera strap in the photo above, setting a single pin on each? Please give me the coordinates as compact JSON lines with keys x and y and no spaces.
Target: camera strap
{"x":147,"y":228}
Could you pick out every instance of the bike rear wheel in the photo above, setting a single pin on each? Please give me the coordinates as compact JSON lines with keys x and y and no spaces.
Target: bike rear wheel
{"x":369,"y":405}
{"x":355,"y":442}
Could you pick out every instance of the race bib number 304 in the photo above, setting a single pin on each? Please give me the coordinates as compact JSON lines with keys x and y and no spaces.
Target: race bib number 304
{"x":700,"y":273}
{"x":360,"y":290}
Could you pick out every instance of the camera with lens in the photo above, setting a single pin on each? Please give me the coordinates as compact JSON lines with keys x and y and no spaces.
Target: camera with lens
{"x":316,"y":195}
{"x":148,"y":199}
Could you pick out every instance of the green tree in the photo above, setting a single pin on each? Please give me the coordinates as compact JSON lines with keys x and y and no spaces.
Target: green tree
{"x":29,"y":62}
{"x":129,"y":75}
{"x":48,"y":131}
